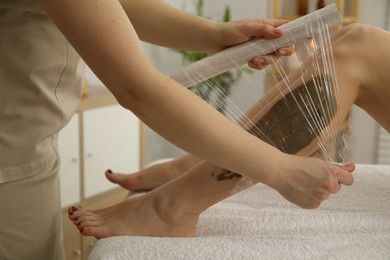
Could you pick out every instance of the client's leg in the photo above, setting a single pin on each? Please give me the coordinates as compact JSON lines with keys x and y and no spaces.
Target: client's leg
{"x":173,"y":209}
{"x":363,"y":60}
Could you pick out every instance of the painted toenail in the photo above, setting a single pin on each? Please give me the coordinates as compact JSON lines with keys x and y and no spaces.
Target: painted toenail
{"x":109,"y":171}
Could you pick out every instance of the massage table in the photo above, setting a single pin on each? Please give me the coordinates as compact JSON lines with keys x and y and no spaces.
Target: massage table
{"x":258,"y":223}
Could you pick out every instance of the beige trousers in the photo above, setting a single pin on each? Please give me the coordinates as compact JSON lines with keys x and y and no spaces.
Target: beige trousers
{"x":30,"y":217}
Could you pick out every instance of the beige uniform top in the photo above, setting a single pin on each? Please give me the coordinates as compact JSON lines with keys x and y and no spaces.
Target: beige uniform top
{"x":40,"y":88}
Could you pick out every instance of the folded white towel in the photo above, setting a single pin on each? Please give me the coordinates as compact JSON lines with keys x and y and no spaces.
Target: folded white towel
{"x":259,"y":224}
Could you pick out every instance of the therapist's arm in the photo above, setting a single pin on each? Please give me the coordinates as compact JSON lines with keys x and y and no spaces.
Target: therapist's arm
{"x":159,"y":23}
{"x":103,"y":35}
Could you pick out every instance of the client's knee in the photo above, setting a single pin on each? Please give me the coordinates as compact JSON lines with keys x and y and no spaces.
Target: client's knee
{"x":352,"y":43}
{"x":355,"y":30}
{"x":355,"y":36}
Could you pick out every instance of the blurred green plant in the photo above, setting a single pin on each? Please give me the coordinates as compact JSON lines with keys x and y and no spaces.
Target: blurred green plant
{"x":216,"y":90}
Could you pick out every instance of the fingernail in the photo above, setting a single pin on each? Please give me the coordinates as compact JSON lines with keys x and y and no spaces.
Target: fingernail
{"x":283,"y":53}
{"x":350,"y":166}
{"x":73,"y":210}
{"x":278,"y":31}
{"x":109,"y":171}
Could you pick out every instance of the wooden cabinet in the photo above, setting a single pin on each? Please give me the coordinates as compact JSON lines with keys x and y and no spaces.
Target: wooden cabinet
{"x":290,"y":10}
{"x":102,"y":135}
{"x":111,"y":140}
{"x":68,"y":143}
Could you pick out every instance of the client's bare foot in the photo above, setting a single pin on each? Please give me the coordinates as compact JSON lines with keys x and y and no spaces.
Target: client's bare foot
{"x":148,"y":215}
{"x":153,"y":176}
{"x":144,"y":180}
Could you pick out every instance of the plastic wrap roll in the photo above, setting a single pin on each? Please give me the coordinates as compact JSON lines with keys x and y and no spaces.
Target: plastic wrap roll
{"x":239,"y":55}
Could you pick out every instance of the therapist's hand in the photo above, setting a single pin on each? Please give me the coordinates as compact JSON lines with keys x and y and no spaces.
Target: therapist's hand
{"x":307,"y":182}
{"x":240,"y":31}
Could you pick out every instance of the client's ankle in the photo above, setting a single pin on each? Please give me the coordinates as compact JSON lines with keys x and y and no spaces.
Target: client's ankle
{"x":179,"y":218}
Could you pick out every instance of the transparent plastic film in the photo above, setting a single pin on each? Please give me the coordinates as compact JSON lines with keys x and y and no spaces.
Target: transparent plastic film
{"x":302,"y":113}
{"x":295,"y":104}
{"x":239,"y":55}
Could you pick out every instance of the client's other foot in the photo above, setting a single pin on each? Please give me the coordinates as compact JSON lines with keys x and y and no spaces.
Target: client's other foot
{"x":148,"y":215}
{"x":154,"y":175}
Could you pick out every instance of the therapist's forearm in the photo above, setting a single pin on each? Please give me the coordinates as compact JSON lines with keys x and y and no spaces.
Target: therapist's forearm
{"x":159,"y":23}
{"x":104,"y":37}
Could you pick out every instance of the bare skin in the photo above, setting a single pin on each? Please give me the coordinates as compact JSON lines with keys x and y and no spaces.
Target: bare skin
{"x":151,"y":208}
{"x":173,"y":209}
{"x":153,"y":176}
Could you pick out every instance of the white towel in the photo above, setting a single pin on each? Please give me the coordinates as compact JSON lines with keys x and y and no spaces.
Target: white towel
{"x":259,"y":224}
